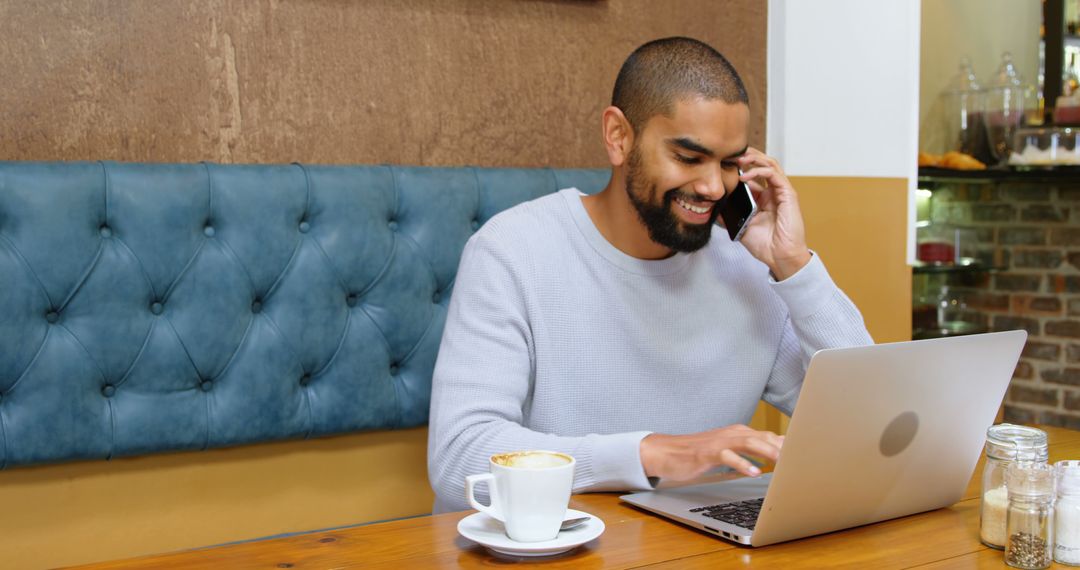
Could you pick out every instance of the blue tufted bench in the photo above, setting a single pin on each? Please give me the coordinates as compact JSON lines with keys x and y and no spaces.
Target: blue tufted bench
{"x":161,"y":307}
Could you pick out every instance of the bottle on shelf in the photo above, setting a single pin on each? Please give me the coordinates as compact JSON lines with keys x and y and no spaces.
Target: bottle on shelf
{"x":1070,"y":81}
{"x":1067,"y":106}
{"x":965,"y":105}
{"x":1007,"y":100}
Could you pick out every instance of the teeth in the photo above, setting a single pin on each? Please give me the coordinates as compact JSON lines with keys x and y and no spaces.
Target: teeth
{"x":692,"y":208}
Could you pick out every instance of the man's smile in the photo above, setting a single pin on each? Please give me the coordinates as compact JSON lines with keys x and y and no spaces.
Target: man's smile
{"x":700,"y":208}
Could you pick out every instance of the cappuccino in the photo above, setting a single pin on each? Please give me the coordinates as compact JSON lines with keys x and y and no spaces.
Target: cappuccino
{"x":531,"y":459}
{"x":529,"y":492}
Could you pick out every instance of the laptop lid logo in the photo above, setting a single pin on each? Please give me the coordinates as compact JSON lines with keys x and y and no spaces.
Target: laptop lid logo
{"x":899,"y":434}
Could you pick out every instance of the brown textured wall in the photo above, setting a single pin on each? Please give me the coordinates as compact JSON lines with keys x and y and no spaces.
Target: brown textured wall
{"x":431,"y":82}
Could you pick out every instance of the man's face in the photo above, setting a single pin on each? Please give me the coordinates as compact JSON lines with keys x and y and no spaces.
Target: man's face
{"x":681,"y":165}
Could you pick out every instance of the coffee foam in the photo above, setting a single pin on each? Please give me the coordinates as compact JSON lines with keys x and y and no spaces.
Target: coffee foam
{"x":532,"y":459}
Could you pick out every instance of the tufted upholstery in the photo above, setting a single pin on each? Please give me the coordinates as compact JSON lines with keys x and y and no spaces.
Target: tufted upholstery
{"x":155,"y":307}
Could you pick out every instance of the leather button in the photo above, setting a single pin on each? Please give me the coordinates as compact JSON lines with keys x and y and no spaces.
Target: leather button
{"x":256,"y":306}
{"x":305,"y":379}
{"x":351,"y":299}
{"x":304,"y":227}
{"x":208,"y":231}
{"x":392,"y":225}
{"x":393,"y":369}
{"x":52,"y":316}
{"x":105,"y":231}
{"x":156,"y":308}
{"x":108,"y":390}
{"x":206,"y":385}
{"x":475,"y":225}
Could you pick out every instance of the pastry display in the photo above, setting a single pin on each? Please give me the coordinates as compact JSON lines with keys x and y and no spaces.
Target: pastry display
{"x":952,"y":159}
{"x":929,"y":160}
{"x":961,"y":161}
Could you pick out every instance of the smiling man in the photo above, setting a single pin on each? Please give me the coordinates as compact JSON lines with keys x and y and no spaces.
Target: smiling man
{"x":626,"y":328}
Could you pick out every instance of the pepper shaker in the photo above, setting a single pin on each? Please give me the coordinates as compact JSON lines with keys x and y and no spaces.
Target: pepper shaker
{"x":1030,"y":518}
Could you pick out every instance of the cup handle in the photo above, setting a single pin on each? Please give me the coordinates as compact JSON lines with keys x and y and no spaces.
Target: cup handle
{"x":470,"y":487}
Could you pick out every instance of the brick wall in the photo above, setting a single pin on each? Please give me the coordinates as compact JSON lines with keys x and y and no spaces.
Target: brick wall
{"x":1032,"y":232}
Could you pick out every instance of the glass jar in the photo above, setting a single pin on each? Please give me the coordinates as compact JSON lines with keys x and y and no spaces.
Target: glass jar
{"x":1007,"y":102}
{"x":936,"y":243}
{"x":1067,"y":513}
{"x":1005,"y":444}
{"x":1030,"y":518}
{"x":964,"y":102}
{"x":1048,"y":146}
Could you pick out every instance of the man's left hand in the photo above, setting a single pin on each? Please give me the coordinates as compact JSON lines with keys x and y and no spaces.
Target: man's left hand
{"x":776,"y":236}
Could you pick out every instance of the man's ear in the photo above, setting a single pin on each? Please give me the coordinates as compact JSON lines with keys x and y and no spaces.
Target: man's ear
{"x":618,"y":135}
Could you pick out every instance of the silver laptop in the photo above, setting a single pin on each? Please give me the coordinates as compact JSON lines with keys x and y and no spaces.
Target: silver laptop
{"x":879,"y":432}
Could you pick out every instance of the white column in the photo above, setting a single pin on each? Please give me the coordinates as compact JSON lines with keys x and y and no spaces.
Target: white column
{"x":843,"y":84}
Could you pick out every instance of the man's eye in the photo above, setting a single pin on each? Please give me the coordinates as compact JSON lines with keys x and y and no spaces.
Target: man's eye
{"x":687,"y":159}
{"x":728,"y":165}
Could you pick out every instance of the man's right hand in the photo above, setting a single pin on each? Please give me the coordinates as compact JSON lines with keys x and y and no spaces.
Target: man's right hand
{"x":684,"y":457}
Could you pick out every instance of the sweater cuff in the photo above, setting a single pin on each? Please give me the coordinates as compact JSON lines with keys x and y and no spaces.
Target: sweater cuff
{"x":807,"y":291}
{"x":617,"y":463}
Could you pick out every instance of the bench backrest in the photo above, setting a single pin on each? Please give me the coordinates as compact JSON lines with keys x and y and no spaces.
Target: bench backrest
{"x":159,"y":307}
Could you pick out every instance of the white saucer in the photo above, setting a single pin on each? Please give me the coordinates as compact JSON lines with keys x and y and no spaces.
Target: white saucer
{"x":481,"y":528}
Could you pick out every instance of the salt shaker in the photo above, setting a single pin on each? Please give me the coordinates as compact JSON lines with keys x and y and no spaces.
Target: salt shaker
{"x":1005,"y":444}
{"x":1030,"y":517}
{"x":1067,"y":513}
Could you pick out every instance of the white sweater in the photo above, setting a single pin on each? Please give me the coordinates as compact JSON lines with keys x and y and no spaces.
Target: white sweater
{"x":557,"y":340}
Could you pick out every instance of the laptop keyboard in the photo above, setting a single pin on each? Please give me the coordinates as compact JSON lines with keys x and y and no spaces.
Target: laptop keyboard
{"x":743,"y":513}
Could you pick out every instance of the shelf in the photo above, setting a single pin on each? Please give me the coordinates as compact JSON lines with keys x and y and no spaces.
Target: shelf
{"x":953,"y":329}
{"x":1002,"y":174}
{"x":921,"y":267}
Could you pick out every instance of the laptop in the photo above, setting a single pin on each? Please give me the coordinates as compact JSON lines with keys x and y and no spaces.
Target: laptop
{"x":879,"y":432}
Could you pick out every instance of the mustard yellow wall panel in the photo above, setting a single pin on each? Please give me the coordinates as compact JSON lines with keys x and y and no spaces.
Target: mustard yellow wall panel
{"x":859,"y":226}
{"x":86,"y":512}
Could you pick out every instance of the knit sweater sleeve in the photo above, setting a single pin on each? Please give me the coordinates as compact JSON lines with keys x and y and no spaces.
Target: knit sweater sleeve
{"x":483,"y":379}
{"x":819,"y":316}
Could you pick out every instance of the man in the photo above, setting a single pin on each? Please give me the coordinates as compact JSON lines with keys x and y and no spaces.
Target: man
{"x":626,"y":328}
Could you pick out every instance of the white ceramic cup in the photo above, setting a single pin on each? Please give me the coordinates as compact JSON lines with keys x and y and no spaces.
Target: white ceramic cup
{"x":529,"y":490}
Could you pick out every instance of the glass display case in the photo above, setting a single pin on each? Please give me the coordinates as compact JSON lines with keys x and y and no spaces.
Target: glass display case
{"x":997,"y":248}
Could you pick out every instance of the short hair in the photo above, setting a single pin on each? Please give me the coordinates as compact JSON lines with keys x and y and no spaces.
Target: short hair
{"x":664,"y":71}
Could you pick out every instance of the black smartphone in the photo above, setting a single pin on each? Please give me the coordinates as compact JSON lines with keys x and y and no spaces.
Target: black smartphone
{"x":737,"y":208}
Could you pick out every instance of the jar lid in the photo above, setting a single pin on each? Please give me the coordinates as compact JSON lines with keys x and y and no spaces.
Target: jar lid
{"x":1030,"y":479}
{"x":1068,"y":476}
{"x":1016,"y":443}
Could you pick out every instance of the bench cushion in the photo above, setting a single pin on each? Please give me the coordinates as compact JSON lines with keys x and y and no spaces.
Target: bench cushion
{"x":157,"y":307}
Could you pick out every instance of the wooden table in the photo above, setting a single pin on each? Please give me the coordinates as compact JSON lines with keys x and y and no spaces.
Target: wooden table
{"x":946,"y":538}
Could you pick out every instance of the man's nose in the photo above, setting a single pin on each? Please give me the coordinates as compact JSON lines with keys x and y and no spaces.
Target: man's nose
{"x":711,"y":185}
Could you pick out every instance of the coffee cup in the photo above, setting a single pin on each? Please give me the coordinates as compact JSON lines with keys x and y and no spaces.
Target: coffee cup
{"x":529,"y":490}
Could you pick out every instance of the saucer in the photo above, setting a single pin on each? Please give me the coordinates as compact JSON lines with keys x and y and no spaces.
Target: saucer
{"x":483,"y":529}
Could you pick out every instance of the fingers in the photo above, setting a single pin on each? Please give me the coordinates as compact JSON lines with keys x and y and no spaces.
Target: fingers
{"x":739,"y":463}
{"x":764,"y":447}
{"x":683,"y":457}
{"x":763,"y":195}
{"x":757,"y":167}
{"x":743,"y":440}
{"x":774,"y":178}
{"x":762,"y":444}
{"x":754,"y":157}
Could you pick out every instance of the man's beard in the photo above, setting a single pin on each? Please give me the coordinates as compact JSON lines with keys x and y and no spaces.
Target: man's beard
{"x":665,"y":228}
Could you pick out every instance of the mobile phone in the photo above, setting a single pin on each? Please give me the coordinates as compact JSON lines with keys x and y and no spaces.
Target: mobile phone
{"x":737,"y":208}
